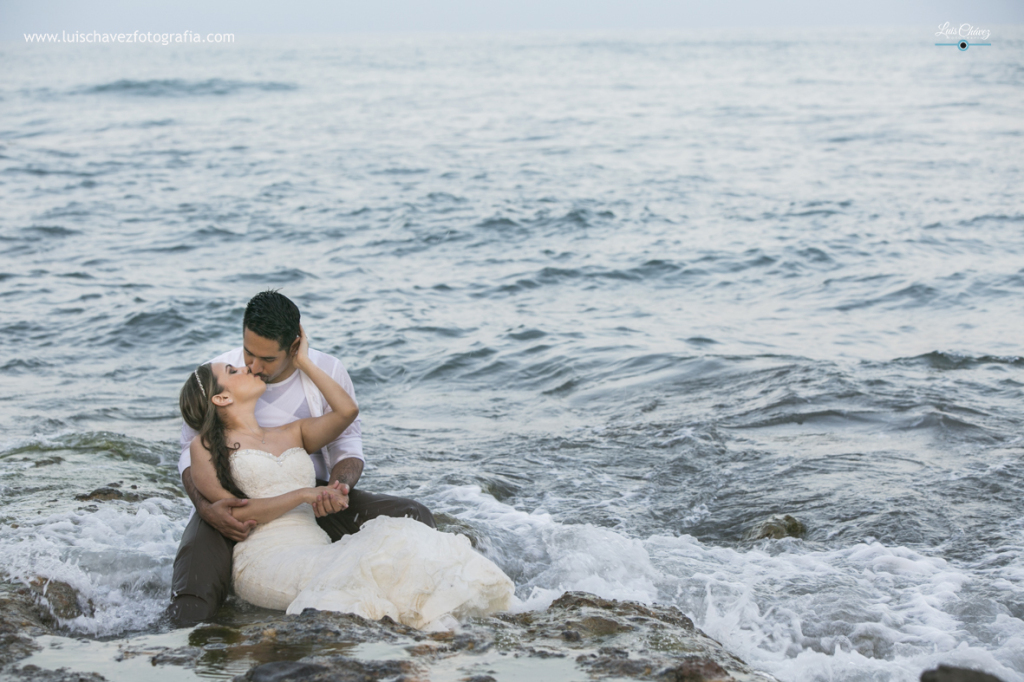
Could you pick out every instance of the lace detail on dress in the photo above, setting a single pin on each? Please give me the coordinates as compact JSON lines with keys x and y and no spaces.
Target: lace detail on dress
{"x":267,"y":475}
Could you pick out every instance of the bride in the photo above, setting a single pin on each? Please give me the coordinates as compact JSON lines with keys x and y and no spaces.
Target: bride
{"x":392,"y":567}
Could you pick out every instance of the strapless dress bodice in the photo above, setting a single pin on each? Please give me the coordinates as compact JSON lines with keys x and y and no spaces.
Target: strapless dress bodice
{"x":259,"y":473}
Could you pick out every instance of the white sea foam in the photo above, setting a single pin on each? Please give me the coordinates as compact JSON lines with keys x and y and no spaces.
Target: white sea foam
{"x":866,"y":612}
{"x":118,"y":559}
{"x":547,"y":558}
{"x":863,"y":612}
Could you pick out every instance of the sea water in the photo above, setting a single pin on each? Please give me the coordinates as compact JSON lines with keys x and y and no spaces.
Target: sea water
{"x":609,"y":299}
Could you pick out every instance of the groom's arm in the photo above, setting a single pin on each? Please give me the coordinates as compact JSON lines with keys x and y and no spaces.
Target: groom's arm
{"x":343,"y":455}
{"x":347,"y":471}
{"x":218,"y":514}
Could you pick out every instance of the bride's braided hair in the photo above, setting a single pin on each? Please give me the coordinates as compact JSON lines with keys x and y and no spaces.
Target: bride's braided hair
{"x":199,"y":412}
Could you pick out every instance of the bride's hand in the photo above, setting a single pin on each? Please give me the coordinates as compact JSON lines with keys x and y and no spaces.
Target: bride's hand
{"x":302,"y":350}
{"x":328,"y":503}
{"x":327,"y":499}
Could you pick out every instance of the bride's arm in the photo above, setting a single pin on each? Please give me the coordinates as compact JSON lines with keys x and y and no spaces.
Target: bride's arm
{"x":319,"y":431}
{"x":260,"y":510}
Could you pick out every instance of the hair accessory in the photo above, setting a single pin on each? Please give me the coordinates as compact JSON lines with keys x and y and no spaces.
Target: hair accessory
{"x":196,"y":373}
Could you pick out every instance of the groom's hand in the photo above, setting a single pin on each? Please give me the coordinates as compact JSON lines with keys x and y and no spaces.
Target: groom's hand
{"x":332,"y":498}
{"x":218,"y":514}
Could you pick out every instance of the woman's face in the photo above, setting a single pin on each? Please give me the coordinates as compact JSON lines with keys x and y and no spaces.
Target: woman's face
{"x":240,"y":382}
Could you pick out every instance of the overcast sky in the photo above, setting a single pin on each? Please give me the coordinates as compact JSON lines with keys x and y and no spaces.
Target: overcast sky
{"x":251,"y":17}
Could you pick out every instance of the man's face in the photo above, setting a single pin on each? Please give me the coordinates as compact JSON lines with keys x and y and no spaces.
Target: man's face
{"x":265,"y":358}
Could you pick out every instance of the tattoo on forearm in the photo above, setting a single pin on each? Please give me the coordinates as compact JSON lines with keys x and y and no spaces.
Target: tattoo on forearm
{"x":348,"y":471}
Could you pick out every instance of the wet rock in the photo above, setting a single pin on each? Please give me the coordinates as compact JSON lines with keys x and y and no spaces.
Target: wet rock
{"x":13,"y":645}
{"x":446,"y":523}
{"x":776,"y":527}
{"x":638,"y":641}
{"x":313,"y":627}
{"x":945,"y":673}
{"x":599,"y":625}
{"x":541,"y":653}
{"x":696,"y":670}
{"x":617,"y":663}
{"x":331,"y":669}
{"x":184,"y":657}
{"x":282,"y":671}
{"x":468,"y":641}
{"x":107,"y":492}
{"x":37,"y":674}
{"x":60,"y":599}
{"x":617,"y":666}
{"x":603,"y":638}
{"x":579,"y":602}
{"x":21,"y":619}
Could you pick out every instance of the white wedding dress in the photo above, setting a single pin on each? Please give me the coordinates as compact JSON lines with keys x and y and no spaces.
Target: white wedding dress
{"x":392,"y":567}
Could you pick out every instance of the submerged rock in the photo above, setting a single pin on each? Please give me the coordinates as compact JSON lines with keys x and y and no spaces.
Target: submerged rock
{"x":37,"y":674}
{"x":776,"y":527}
{"x":109,"y":492}
{"x":331,"y":669}
{"x":945,"y":673}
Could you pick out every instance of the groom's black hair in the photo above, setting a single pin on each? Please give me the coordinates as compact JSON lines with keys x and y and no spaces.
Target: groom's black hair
{"x":272,"y":316}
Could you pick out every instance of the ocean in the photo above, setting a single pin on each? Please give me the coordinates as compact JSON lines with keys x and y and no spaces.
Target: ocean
{"x":609,"y":299}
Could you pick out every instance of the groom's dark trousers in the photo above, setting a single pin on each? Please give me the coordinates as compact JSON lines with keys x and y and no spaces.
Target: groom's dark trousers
{"x":202,"y":568}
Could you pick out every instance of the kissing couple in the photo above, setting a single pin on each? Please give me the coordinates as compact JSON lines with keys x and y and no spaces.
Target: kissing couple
{"x":271,"y":455}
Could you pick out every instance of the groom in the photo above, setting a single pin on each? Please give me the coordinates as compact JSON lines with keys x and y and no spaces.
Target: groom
{"x":270,"y":337}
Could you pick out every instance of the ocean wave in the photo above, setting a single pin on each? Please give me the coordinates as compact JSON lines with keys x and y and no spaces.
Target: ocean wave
{"x":44,"y":172}
{"x":277,"y":277}
{"x":49,"y":231}
{"x":949,"y":360}
{"x":996,"y":218}
{"x":22,"y":367}
{"x":917,"y":295}
{"x":177,"y":87}
{"x":103,"y":443}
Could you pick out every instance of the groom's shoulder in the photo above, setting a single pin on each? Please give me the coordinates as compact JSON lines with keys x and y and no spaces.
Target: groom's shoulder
{"x":323,"y":360}
{"x":331,"y":365}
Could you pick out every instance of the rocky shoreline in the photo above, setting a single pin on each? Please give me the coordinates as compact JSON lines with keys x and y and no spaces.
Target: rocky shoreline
{"x":579,"y":637}
{"x":583,"y":636}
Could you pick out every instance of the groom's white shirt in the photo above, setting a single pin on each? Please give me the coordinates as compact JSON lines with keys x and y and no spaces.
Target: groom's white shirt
{"x":288,"y":400}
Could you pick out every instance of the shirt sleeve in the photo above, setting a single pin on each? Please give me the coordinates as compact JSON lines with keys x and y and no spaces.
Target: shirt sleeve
{"x":185,"y":460}
{"x":350,"y":442}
